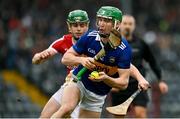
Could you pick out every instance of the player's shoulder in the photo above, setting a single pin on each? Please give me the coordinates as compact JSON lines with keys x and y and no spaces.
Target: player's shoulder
{"x":67,"y":37}
{"x":124,"y":50}
{"x":63,"y":40}
{"x":124,"y":44}
{"x":92,"y":33}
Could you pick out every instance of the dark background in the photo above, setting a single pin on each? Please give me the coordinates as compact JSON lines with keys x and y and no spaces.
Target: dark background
{"x":30,"y":26}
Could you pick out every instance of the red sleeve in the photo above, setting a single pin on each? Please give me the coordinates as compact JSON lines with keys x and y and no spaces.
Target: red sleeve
{"x":63,"y":44}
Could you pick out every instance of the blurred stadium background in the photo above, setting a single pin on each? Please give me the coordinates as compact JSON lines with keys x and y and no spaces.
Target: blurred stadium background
{"x":29,"y":26}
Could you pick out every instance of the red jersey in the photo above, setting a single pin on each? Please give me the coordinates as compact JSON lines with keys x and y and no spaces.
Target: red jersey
{"x":62,"y":45}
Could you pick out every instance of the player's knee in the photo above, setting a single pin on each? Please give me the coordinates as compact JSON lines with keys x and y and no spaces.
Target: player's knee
{"x":44,"y":115}
{"x":67,"y":108}
{"x":140,"y":113}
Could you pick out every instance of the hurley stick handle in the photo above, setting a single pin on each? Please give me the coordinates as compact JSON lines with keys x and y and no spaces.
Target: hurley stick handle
{"x":100,"y":54}
{"x":81,"y":72}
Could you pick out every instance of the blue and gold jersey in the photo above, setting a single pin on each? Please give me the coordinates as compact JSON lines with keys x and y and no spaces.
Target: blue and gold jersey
{"x":89,"y":45}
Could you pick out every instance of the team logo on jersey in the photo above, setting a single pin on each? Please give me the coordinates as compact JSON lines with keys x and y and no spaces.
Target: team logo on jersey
{"x":112,"y":59}
{"x":91,"y":51}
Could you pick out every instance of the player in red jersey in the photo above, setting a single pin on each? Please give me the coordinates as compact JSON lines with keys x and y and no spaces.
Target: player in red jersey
{"x":78,"y":23}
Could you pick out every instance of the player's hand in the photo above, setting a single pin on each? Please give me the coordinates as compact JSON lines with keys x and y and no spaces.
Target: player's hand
{"x":46,"y":54}
{"x":143,"y":84}
{"x":94,"y":79}
{"x":163,"y":87}
{"x":88,"y":62}
{"x":39,"y":57}
{"x":100,"y":78}
{"x":36,"y":59}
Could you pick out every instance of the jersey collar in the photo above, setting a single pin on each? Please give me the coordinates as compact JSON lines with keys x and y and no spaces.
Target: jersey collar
{"x":98,"y":38}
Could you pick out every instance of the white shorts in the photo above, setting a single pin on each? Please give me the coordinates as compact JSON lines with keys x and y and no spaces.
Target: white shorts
{"x":58,"y":96}
{"x":89,"y":100}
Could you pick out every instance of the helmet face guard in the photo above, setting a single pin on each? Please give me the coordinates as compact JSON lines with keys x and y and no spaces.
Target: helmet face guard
{"x":114,"y":14}
{"x":78,"y":16}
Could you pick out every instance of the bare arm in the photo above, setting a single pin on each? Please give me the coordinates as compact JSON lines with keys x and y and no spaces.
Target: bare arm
{"x":43,"y":56}
{"x":120,"y":82}
{"x":134,"y":72}
{"x":72,"y":58}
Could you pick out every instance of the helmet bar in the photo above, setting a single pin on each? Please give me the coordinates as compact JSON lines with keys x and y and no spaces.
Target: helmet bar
{"x":104,"y":16}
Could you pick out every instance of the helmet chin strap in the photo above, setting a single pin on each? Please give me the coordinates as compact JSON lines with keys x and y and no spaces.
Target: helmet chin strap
{"x":74,"y":39}
{"x":104,"y":35}
{"x":115,"y":25}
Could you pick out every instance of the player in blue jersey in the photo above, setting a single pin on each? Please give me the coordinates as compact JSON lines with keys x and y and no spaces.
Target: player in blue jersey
{"x":114,"y":67}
